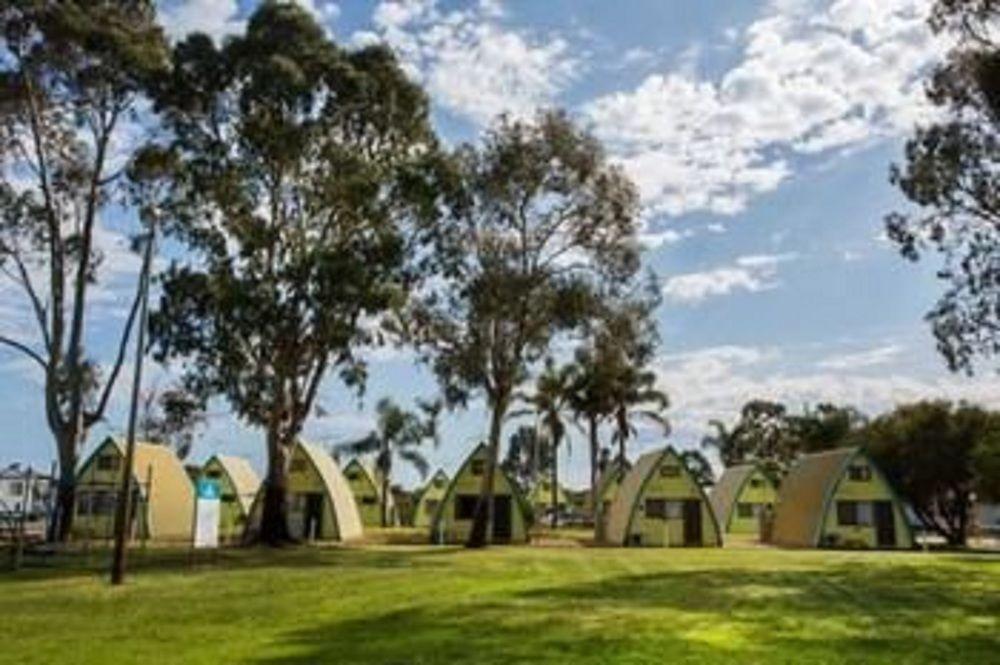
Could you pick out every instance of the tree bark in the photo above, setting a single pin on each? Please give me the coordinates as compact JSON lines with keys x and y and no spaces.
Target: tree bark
{"x":595,"y":508}
{"x":481,"y":533}
{"x":555,"y":483}
{"x":62,"y":519}
{"x":385,"y":500}
{"x":274,"y":517}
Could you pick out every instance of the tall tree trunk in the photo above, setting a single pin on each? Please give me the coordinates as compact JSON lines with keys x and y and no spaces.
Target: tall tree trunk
{"x":385,"y":499}
{"x":555,"y":483}
{"x":595,"y":508}
{"x":274,"y":517}
{"x":65,"y":506}
{"x":482,"y":522}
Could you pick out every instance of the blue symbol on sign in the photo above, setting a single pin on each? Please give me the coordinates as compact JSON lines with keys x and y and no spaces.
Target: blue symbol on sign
{"x":208,"y":489}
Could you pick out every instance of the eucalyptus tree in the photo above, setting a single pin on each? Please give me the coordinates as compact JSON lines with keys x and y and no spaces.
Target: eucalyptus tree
{"x":549,"y":402}
{"x":544,"y":226}
{"x":398,"y":434}
{"x":72,"y":76}
{"x":303,"y":172}
{"x":951,"y":174}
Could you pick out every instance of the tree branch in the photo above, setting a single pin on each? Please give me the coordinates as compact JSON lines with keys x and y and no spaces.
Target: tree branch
{"x":26,"y":350}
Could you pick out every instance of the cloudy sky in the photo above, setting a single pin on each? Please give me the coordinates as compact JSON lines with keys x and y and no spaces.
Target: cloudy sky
{"x":760,"y":135}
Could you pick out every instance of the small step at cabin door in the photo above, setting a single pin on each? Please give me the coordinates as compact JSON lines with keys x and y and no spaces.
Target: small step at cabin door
{"x":502,"y":526}
{"x":312,"y":520}
{"x":885,"y":524}
{"x":692,"y":523}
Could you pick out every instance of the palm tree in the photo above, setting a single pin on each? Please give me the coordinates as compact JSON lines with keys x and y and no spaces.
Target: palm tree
{"x":634,"y":396}
{"x":590,"y":401}
{"x":725,"y":441}
{"x":550,"y":402}
{"x":398,"y":433}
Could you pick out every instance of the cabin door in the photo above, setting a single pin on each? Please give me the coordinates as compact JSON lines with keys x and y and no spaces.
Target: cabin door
{"x":312,"y":520}
{"x":692,"y":523}
{"x":885,"y":524}
{"x":502,"y":526}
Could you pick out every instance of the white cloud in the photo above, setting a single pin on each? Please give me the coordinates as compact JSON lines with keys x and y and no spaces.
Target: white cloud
{"x":216,"y":18}
{"x":219,"y":18}
{"x":752,"y":273}
{"x":871,"y":358}
{"x":469,"y":62}
{"x":713,"y":383}
{"x":814,"y":76}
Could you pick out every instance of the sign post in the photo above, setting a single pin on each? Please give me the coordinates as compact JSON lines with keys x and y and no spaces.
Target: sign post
{"x":206,"y":515}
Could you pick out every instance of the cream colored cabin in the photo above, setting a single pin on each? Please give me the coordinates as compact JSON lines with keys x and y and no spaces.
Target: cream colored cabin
{"x":163,"y":496}
{"x":453,"y":522}
{"x":839,"y":498}
{"x":320,"y":503}
{"x":659,"y":504}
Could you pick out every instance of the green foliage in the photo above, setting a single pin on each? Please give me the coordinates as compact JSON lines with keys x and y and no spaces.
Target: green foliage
{"x":951,"y":174}
{"x":301,"y":183}
{"x":767,"y":433}
{"x":543,"y":229}
{"x":931,"y":452}
{"x":699,"y":467}
{"x":529,"y":456}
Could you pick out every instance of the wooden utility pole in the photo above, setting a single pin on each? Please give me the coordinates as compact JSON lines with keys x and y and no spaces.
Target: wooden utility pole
{"x":123,"y":509}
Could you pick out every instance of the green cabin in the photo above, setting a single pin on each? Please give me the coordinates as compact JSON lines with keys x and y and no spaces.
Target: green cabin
{"x":320,"y":504}
{"x":540,"y":498}
{"x":743,"y":501}
{"x":429,"y":499}
{"x":839,"y":498}
{"x":162,"y":504}
{"x":366,"y":486}
{"x":659,"y":504}
{"x":453,"y":521}
{"x":238,"y":486}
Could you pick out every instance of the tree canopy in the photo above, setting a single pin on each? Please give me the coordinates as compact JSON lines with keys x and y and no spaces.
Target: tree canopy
{"x":300,"y":183}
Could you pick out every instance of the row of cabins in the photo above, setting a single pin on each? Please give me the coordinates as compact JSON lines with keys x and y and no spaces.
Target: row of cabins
{"x":833,"y":499}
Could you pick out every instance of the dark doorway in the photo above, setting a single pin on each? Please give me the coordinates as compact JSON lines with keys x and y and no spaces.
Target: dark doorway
{"x":502,"y":526}
{"x":312,"y":520}
{"x":885,"y":524}
{"x":692,"y":523}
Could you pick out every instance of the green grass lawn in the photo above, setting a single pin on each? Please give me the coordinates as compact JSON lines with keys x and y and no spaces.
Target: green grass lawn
{"x":408,"y":605}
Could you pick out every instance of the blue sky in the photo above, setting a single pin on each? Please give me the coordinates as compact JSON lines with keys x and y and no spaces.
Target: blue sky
{"x":760,"y":134}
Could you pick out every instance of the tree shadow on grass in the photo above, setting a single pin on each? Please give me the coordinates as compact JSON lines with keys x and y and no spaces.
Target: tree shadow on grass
{"x":835,"y":614}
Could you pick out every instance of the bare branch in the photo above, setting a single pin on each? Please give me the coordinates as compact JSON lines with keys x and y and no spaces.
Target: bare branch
{"x":26,"y":350}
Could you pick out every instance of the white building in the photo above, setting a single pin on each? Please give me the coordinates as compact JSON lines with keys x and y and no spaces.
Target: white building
{"x":24,"y":491}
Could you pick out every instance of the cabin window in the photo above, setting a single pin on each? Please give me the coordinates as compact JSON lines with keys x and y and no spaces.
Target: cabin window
{"x":477,"y":467}
{"x":297,"y":466}
{"x":83,"y":504}
{"x":860,"y":473}
{"x":215,"y":474}
{"x":431,"y":506}
{"x":368,"y":500}
{"x":756,"y":483}
{"x":228,"y":498}
{"x":744,"y":510}
{"x":107,"y":463}
{"x":15,"y":488}
{"x":465,"y":506}
{"x":438,"y":482}
{"x":656,"y":509}
{"x":298,"y":502}
{"x":102,"y":503}
{"x":854,"y":513}
{"x":670,"y":471}
{"x":353,"y":475}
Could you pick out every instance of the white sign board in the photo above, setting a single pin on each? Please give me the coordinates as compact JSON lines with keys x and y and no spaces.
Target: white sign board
{"x":206,"y":515}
